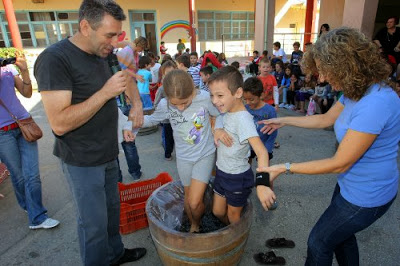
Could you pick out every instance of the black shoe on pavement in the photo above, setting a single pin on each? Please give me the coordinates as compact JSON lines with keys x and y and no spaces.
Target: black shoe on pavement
{"x":130,"y":255}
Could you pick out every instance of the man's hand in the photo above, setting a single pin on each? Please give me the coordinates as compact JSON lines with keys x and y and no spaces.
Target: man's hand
{"x":266,"y":196}
{"x":116,"y":84}
{"x":136,"y":114}
{"x":139,"y":78}
{"x":223,"y":136}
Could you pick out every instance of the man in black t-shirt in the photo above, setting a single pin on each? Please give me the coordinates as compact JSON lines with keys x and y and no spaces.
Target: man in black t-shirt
{"x":388,"y":39}
{"x":78,"y":93}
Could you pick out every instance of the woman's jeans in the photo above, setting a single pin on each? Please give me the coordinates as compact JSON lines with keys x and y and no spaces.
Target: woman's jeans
{"x":335,"y":229}
{"x":22,"y":160}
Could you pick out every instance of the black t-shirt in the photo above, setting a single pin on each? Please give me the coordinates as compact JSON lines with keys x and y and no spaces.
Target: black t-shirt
{"x":296,"y":57}
{"x":63,"y":66}
{"x":388,"y":41}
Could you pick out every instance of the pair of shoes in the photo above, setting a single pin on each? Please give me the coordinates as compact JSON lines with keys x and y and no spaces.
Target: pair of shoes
{"x":168,"y":158}
{"x":279,"y":243}
{"x":282,"y":105}
{"x":273,"y":206}
{"x":130,"y":255}
{"x":46,"y":224}
{"x":268,"y":258}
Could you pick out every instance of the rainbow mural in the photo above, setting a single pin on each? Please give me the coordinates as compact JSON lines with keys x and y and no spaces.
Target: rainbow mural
{"x":174,"y":24}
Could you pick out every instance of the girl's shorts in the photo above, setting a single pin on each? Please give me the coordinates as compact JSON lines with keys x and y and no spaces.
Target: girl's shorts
{"x":236,"y":188}
{"x":200,"y":170}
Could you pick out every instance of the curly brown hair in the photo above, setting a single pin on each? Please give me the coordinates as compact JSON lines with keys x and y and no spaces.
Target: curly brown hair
{"x":348,"y":60}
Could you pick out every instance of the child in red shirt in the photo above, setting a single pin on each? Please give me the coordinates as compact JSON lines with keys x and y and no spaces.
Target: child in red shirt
{"x":271,"y":93}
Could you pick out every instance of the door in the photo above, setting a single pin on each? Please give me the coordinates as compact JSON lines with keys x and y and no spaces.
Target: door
{"x":143,"y":23}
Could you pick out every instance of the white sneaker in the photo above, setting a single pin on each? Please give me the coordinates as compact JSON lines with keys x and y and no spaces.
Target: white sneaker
{"x":292,"y":107}
{"x":282,"y":105}
{"x":47,"y":224}
{"x":287,"y":106}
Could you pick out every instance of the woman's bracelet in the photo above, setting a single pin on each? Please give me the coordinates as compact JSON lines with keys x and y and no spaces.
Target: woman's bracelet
{"x":26,"y":83}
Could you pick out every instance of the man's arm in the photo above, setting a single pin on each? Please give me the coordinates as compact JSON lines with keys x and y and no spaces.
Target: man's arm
{"x":65,"y":117}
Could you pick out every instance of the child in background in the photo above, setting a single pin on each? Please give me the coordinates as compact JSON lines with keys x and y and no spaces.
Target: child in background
{"x":144,"y":87}
{"x":222,"y":59}
{"x":285,"y":86}
{"x":205,"y":74}
{"x":183,"y":62}
{"x":166,"y":133}
{"x":235,"y":64}
{"x":254,"y":63}
{"x":252,"y":92}
{"x":154,"y":69}
{"x":304,"y":93}
{"x":163,"y":50}
{"x":279,"y":53}
{"x":271,"y":93}
{"x":188,"y":111}
{"x":279,"y":72}
{"x":295,"y":59}
{"x":234,"y":178}
{"x":194,"y":69}
{"x":320,"y":91}
{"x":295,"y":85}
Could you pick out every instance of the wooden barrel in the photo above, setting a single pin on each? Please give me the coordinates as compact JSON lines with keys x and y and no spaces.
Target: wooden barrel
{"x":147,"y":130}
{"x":222,"y":247}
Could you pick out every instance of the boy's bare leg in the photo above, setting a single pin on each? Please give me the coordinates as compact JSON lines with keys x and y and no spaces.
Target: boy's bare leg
{"x":234,"y":214}
{"x":196,"y":204}
{"x":220,"y":208}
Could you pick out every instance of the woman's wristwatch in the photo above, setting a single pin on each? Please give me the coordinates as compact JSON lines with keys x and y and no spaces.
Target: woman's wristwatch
{"x":287,"y":166}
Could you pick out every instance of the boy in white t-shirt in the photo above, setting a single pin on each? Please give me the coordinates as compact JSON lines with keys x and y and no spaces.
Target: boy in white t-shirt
{"x":279,"y":53}
{"x":234,"y":178}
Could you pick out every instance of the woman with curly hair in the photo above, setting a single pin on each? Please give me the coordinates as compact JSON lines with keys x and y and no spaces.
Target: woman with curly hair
{"x":367,"y":125}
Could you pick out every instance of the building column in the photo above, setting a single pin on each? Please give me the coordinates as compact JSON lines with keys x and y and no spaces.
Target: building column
{"x":192,"y":12}
{"x":360,"y":14}
{"x":12,"y":24}
{"x":308,"y":21}
{"x":264,"y":17}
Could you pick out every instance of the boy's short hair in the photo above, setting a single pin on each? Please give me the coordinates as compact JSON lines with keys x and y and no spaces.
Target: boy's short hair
{"x":151,"y":55}
{"x":296,"y":44}
{"x":235,"y":64}
{"x":184,"y":59}
{"x":277,"y":44}
{"x":195,"y":54}
{"x":230,"y":75}
{"x":162,"y":42}
{"x":167,"y":64}
{"x":265,"y":53}
{"x":254,"y":86}
{"x":255,"y":52}
{"x":143,"y":61}
{"x":264,"y":60}
{"x":207,"y":70}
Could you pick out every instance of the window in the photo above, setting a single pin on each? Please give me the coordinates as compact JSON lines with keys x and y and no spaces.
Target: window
{"x":40,"y":29}
{"x":215,"y":25}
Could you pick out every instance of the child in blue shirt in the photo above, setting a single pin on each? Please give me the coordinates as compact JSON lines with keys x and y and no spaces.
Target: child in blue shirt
{"x":144,"y":87}
{"x":252,"y":92}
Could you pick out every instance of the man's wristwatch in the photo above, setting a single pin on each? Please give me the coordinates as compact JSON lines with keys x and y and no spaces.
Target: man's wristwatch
{"x":287,"y":166}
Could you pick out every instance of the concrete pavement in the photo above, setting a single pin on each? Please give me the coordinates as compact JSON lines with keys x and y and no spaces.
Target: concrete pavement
{"x":302,"y":199}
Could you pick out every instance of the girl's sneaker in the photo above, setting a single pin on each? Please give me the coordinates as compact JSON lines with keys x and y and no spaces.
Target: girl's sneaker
{"x":282,"y":105}
{"x":46,"y":224}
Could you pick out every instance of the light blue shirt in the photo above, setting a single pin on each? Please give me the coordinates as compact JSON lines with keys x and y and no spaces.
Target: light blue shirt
{"x":373,"y":180}
{"x":144,"y":87}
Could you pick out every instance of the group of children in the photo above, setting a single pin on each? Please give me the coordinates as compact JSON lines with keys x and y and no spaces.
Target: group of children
{"x":203,"y":108}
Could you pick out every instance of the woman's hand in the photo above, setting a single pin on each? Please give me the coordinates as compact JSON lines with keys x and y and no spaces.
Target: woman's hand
{"x":271,"y":125}
{"x":21,"y":63}
{"x":223,"y":136}
{"x":273,"y":170}
{"x":139,"y":78}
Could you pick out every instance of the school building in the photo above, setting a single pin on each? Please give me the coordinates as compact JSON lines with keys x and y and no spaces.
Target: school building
{"x":235,"y":27}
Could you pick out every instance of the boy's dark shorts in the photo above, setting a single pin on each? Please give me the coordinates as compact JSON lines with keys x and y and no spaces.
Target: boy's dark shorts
{"x":236,"y":188}
{"x":253,"y":155}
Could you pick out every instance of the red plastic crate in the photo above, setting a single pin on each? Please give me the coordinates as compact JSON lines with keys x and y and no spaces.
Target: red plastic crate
{"x":133,"y":199}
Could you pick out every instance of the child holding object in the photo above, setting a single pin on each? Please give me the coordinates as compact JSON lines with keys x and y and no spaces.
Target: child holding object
{"x":234,"y":178}
{"x":188,"y":111}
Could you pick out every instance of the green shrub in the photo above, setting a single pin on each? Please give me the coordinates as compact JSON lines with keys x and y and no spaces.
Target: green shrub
{"x":9,"y":52}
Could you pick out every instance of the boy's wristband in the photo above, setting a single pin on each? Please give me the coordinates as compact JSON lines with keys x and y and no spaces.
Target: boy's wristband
{"x":262,"y":179}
